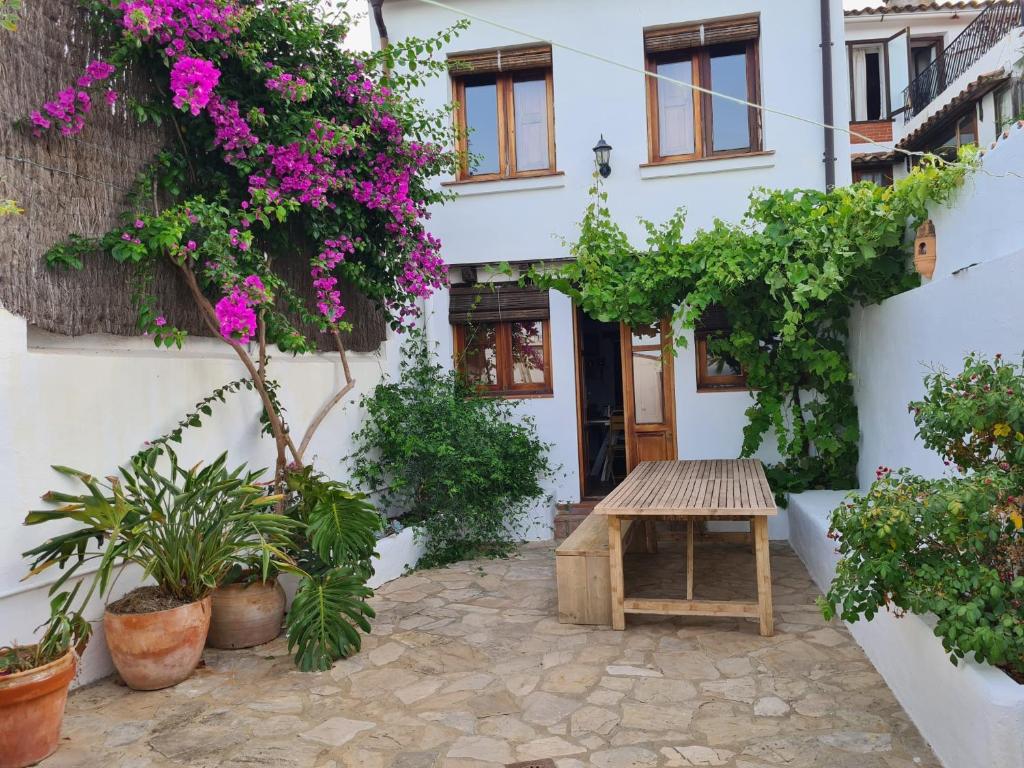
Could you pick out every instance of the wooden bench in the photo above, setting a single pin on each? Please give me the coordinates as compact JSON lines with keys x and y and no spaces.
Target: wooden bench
{"x":583,"y":575}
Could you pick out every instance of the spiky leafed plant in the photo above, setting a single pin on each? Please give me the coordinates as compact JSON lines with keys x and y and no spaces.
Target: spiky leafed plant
{"x":185,"y":529}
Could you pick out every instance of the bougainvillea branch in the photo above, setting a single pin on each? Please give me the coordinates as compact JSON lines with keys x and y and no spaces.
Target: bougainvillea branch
{"x":286,"y":146}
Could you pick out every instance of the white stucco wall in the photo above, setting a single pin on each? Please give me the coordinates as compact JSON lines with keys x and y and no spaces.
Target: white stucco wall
{"x":91,"y":402}
{"x":894,"y":344}
{"x":517,"y":220}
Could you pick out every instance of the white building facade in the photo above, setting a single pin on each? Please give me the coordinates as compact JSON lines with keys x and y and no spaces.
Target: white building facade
{"x":534,"y":111}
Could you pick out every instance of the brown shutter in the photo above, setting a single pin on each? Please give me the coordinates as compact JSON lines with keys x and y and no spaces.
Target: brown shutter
{"x":732,"y":31}
{"x":682,"y":37}
{"x":665,"y":39}
{"x":713,"y":320}
{"x":501,"y":60}
{"x":496,"y":302}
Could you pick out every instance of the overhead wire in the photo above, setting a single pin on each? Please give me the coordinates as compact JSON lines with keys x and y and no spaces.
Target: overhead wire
{"x":701,"y":89}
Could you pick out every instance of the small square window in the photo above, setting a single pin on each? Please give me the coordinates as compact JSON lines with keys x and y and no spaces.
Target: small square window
{"x":715,"y":370}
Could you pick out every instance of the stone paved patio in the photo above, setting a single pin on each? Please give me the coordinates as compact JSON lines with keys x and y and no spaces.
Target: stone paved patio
{"x":468,"y":666}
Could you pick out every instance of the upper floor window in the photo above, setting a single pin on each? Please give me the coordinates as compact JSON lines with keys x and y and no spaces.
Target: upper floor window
{"x":684,"y":124}
{"x":504,"y":112}
{"x":868,"y":81}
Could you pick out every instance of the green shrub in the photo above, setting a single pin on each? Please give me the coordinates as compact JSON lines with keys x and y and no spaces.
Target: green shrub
{"x":465,"y":468}
{"x":953,"y":546}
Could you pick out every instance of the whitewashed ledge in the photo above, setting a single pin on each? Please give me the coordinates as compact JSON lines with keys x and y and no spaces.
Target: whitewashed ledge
{"x":396,"y":554}
{"x":972,"y":714}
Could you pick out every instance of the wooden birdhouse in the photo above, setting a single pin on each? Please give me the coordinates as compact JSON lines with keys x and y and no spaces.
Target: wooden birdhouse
{"x":924,"y":249}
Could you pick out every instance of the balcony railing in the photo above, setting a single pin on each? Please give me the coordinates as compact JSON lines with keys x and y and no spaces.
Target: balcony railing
{"x":977,"y":39}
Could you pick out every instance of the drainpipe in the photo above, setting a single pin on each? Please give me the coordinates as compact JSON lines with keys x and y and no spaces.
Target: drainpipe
{"x":378,"y":17}
{"x":828,"y":108}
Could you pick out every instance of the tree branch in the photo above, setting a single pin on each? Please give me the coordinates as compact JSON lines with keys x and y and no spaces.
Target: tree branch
{"x":335,"y":399}
{"x":210,"y":318}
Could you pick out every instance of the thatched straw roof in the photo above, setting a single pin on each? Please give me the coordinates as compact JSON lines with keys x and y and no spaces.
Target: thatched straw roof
{"x":78,"y":185}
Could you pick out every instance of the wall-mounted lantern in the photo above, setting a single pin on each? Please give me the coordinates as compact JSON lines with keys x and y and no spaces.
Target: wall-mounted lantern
{"x":603,"y":154}
{"x":924,"y":249}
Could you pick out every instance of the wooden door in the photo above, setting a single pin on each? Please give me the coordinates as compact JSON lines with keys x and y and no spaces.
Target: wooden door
{"x":648,"y":393}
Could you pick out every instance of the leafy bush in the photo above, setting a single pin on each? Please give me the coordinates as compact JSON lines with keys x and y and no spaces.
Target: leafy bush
{"x":953,"y":546}
{"x":464,"y":467}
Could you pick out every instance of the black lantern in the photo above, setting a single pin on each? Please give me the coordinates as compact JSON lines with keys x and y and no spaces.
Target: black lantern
{"x":603,"y":153}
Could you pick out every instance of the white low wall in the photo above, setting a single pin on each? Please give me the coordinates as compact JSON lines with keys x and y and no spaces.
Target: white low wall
{"x":396,"y":554}
{"x":90,"y":403}
{"x":971,"y":714}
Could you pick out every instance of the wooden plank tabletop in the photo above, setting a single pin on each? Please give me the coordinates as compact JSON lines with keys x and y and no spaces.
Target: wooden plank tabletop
{"x":696,"y":487}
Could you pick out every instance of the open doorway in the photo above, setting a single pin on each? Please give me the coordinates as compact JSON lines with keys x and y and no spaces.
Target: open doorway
{"x":602,"y":420}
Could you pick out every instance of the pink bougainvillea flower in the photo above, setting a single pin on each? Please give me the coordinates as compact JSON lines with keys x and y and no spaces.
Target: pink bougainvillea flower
{"x":236,"y":316}
{"x":192,"y":83}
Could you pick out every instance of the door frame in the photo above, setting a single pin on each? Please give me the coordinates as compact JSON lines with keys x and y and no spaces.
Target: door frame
{"x":625,"y":352}
{"x":668,"y":425}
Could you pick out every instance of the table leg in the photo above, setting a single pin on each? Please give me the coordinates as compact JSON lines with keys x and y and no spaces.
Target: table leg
{"x":764,"y":575}
{"x":618,"y":595}
{"x":689,"y":559}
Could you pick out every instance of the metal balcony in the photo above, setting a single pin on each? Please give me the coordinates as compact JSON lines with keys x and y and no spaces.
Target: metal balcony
{"x":977,"y":39}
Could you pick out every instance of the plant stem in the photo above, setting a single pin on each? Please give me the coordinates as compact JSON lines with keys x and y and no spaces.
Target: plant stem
{"x":276,"y":424}
{"x":326,"y":407}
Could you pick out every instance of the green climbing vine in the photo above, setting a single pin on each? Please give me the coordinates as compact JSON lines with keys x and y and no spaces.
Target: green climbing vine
{"x":786,"y":276}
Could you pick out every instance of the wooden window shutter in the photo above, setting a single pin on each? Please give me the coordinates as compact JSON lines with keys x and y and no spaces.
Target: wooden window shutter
{"x":501,"y":60}
{"x":712,"y":320}
{"x":686,"y":36}
{"x":496,"y":302}
{"x":676,"y":38}
{"x":732,"y":31}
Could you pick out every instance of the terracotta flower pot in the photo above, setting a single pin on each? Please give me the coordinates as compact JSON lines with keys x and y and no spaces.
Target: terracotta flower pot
{"x":159,"y":649}
{"x":245,"y":615}
{"x":31,"y":711}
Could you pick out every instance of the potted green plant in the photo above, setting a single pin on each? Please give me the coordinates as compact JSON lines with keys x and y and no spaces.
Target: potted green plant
{"x":186,"y":529}
{"x":34,"y":681}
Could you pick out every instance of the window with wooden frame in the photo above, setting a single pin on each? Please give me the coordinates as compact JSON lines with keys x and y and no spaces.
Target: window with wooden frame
{"x":684,"y":124}
{"x":879,"y":174}
{"x":715,"y":371}
{"x":504,"y":113}
{"x":502,"y":338}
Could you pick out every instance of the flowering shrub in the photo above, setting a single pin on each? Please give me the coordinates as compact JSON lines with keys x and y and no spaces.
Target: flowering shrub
{"x":70,"y":106}
{"x":280,"y":136}
{"x":953,"y":547}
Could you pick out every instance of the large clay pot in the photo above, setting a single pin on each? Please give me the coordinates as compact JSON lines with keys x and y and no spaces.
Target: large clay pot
{"x":31,"y":711}
{"x":245,"y":615}
{"x":159,"y":649}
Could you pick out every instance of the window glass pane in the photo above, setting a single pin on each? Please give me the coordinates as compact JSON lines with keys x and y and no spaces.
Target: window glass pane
{"x":528,"y":352}
{"x":965,"y":130}
{"x":482,"y":125}
{"x":648,"y":392}
{"x":719,"y":365}
{"x":644,"y":335}
{"x":480,"y":356}
{"x":531,"y":110}
{"x":675,"y":109}
{"x":1004,"y":108}
{"x":731,"y":121}
{"x":923,"y":56}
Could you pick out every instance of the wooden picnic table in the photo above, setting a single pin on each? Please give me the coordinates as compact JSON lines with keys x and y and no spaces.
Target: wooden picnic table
{"x":692,"y":490}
